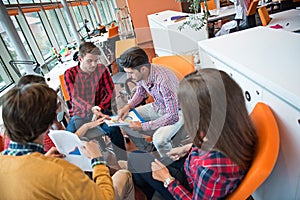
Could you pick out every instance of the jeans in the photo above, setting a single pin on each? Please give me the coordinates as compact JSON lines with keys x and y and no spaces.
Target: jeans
{"x":113,"y":132}
{"x":161,"y":137}
{"x":139,"y":164}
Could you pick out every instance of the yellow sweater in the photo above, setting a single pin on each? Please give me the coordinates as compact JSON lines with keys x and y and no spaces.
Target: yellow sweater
{"x":36,"y":176}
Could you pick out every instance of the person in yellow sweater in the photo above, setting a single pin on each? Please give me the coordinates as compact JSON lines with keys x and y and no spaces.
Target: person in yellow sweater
{"x":27,"y":173}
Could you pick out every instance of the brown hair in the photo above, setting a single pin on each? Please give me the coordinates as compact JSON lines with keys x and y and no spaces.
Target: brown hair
{"x":216,"y":116}
{"x":88,"y":47}
{"x":134,"y":57}
{"x":31,"y":78}
{"x":28,"y":111}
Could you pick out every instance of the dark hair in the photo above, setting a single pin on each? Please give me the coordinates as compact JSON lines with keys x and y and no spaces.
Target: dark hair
{"x":31,"y":78}
{"x":28,"y":111}
{"x":133,"y":57}
{"x":215,"y":115}
{"x":88,"y":47}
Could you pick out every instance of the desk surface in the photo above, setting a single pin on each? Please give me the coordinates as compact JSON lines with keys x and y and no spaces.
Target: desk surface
{"x":98,"y":39}
{"x":224,"y":12}
{"x":289,"y":20}
{"x":268,"y":55}
{"x":52,"y":77}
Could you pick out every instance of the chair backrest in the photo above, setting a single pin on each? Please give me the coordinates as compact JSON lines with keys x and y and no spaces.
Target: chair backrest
{"x":181,"y":65}
{"x":264,"y":15}
{"x":251,"y":14}
{"x":210,"y":5}
{"x":252,"y":8}
{"x":123,"y":45}
{"x":113,"y":31}
{"x":63,"y":88}
{"x":266,"y":152}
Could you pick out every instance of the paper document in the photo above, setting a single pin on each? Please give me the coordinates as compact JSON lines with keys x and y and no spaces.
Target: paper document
{"x":69,"y":144}
{"x":132,"y":116}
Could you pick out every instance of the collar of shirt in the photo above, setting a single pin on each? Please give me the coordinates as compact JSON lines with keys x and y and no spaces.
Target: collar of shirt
{"x":151,"y":78}
{"x":17,"y":149}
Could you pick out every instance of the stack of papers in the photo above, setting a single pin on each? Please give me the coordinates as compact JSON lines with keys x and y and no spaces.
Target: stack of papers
{"x":132,"y":116}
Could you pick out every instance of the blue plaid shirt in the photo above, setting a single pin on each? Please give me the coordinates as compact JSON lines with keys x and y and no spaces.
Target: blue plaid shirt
{"x":16,"y":149}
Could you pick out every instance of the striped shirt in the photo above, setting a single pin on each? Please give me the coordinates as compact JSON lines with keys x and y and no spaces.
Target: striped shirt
{"x":162,"y":85}
{"x":211,"y":175}
{"x":88,"y":90}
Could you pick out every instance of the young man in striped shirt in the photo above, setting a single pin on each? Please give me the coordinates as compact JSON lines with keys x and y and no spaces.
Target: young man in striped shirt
{"x":163,"y":117}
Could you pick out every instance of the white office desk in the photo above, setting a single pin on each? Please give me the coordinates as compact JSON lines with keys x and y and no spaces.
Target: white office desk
{"x":265,"y":63}
{"x":168,"y":40}
{"x":224,"y":12}
{"x":98,"y":39}
{"x":289,"y":20}
{"x":52,"y":77}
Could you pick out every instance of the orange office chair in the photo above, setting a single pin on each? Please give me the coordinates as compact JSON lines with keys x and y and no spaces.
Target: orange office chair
{"x":266,"y":152}
{"x":181,"y":65}
{"x":63,"y":116}
{"x":210,"y":5}
{"x":264,"y":15}
{"x":251,"y":14}
{"x":113,"y":31}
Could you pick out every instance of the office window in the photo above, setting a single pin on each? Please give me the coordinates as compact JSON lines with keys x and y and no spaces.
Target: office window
{"x":56,"y":26}
{"x":106,"y":11}
{"x":25,"y":1}
{"x":21,"y":35}
{"x":102,"y":13}
{"x":39,"y":33}
{"x":67,"y":22}
{"x":9,"y":2}
{"x":5,"y":79}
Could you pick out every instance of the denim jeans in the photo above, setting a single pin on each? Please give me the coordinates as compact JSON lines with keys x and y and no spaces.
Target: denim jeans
{"x":113,"y":132}
{"x":139,"y":164}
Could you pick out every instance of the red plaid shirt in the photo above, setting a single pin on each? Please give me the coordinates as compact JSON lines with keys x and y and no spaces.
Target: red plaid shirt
{"x":211,"y":175}
{"x":88,"y":90}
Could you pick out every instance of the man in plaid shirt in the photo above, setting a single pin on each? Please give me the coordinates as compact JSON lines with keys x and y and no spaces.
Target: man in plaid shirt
{"x":90,"y":88}
{"x":163,"y":117}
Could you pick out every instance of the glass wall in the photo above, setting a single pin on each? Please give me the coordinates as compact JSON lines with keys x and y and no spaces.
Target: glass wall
{"x":42,"y":25}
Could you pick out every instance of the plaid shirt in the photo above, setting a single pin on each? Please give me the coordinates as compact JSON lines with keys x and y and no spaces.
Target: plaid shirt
{"x":88,"y":90}
{"x":211,"y":175}
{"x":16,"y":149}
{"x":162,"y":85}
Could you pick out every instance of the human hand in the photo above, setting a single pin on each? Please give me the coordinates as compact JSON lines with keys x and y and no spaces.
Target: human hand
{"x":53,"y":152}
{"x":159,"y":171}
{"x":123,"y":112}
{"x":179,"y":152}
{"x":96,"y":122}
{"x":135,"y":125}
{"x":91,"y":149}
{"x":96,"y":110}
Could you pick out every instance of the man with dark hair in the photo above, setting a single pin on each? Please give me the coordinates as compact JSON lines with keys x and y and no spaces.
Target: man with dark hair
{"x":27,"y":173}
{"x":90,"y":88}
{"x":162,"y":118}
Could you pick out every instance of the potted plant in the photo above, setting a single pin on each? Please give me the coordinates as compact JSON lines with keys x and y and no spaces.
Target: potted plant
{"x":197,"y":20}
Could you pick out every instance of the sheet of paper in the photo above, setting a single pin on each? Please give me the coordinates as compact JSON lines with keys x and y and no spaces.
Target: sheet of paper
{"x":69,"y":144}
{"x":132,"y":116}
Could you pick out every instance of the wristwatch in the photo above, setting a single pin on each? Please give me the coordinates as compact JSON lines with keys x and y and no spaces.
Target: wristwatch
{"x":168,"y":181}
